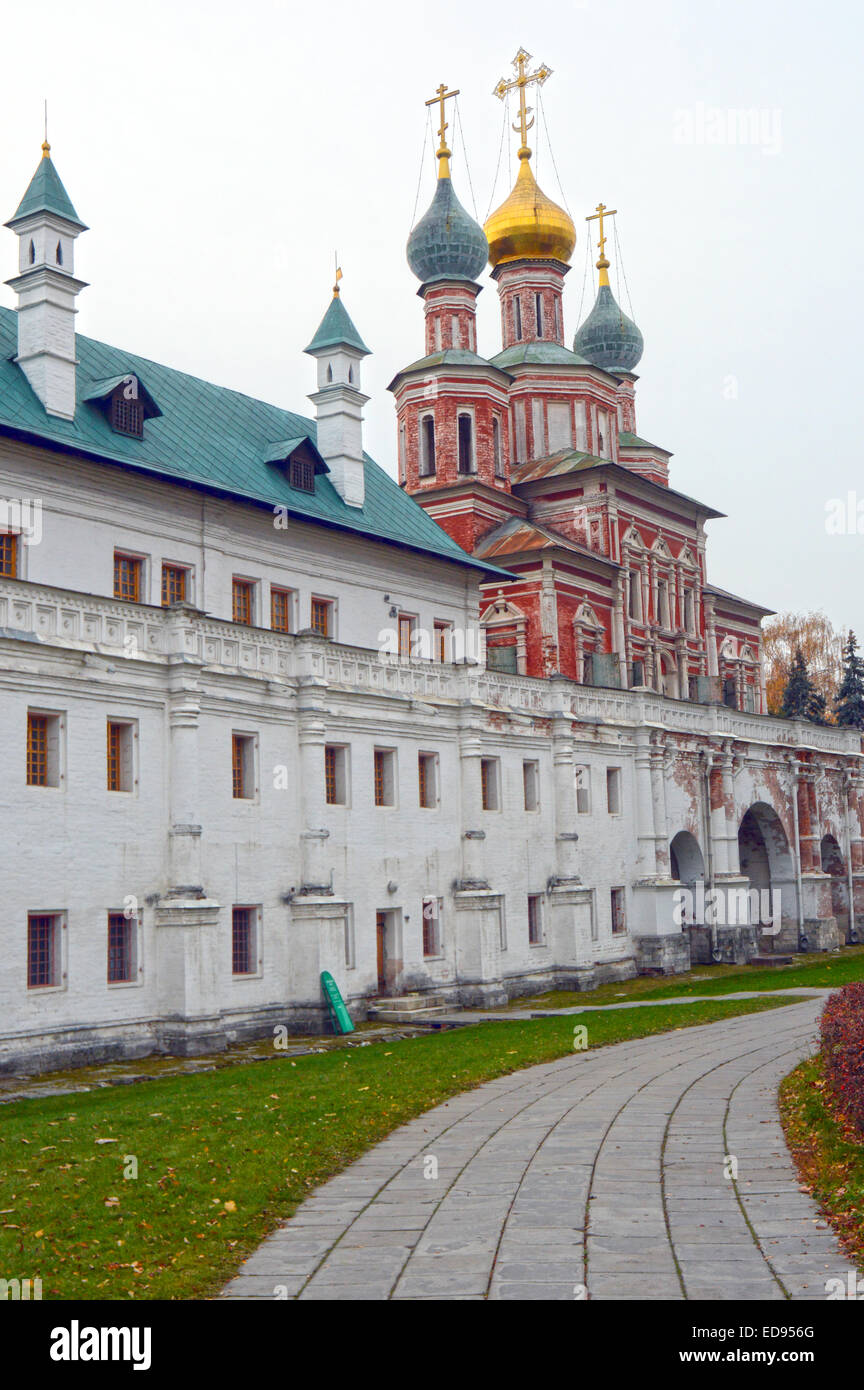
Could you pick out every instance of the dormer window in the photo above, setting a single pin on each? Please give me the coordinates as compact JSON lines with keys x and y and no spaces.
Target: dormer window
{"x":126,"y":403}
{"x":127,"y":415}
{"x":301,"y":474}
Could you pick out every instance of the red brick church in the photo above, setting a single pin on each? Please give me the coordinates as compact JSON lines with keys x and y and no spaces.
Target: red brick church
{"x":531,"y":459}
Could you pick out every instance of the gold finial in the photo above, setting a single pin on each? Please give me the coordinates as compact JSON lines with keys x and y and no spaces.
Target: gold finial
{"x":442,"y":94}
{"x":337,"y":277}
{"x":46,"y":148}
{"x":522,"y":80}
{"x":603,"y":263}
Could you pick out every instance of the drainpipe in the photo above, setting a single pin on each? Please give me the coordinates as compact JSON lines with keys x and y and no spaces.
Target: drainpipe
{"x":847,"y":786}
{"x":802,"y":940}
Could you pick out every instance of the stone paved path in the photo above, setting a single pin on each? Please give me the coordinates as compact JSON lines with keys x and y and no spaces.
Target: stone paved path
{"x":602,"y":1172}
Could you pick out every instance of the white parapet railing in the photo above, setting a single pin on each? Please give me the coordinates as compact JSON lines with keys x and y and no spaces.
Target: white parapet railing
{"x":90,"y":623}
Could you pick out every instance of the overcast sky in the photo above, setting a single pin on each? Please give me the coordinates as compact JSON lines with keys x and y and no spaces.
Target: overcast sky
{"x":221,"y":152}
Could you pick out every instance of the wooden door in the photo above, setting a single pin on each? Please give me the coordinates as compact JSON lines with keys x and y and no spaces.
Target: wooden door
{"x":381,"y":932}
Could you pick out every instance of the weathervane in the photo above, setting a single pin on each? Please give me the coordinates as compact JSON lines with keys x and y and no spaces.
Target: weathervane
{"x":522,"y":80}
{"x":603,"y":263}
{"x":442,"y":94}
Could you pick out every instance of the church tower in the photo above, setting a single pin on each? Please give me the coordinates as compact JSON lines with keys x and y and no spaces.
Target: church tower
{"x":451,"y":404}
{"x":47,"y":226}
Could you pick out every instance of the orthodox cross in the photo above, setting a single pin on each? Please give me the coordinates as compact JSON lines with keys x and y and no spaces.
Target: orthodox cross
{"x":598,"y":216}
{"x":442,"y":94}
{"x":522,"y":80}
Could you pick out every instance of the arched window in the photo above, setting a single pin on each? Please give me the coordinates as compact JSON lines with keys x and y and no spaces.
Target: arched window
{"x":32,"y":254}
{"x":517,"y":317}
{"x":351,"y":376}
{"x":427,"y":446}
{"x":497,"y":454}
{"x":538,"y":314}
{"x":466,"y":444}
{"x":329,"y":371}
{"x":59,"y":253}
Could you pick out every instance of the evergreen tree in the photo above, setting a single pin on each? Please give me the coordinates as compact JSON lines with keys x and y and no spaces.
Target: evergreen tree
{"x":849,"y":701}
{"x":801,"y":699}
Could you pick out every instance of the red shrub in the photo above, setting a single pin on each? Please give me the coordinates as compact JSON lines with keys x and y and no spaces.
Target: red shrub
{"x":842,"y":1030}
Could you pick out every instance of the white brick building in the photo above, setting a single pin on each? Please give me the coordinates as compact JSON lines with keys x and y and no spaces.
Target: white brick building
{"x":215,"y":785}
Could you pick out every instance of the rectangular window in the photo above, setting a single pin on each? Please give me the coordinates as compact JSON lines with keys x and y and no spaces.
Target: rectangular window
{"x":244,"y":945}
{"x":281,"y":603}
{"x":538,"y":429}
{"x":385,"y":777}
{"x":43,"y":949}
{"x":242,"y":600}
{"x":322,"y":616}
{"x":43,"y":749}
{"x":427,"y":446}
{"x":619,"y":920}
{"x":538,"y":314}
{"x":517,"y":317}
{"x":127,"y":576}
{"x":583,"y":790}
{"x":465,"y":433}
{"x":336,"y":774}
{"x":502,"y":926}
{"x":519,"y":409}
{"x":535,"y":919}
{"x":531,"y":785}
{"x":432,"y":911}
{"x":8,"y":555}
{"x":120,"y":744}
{"x":613,"y":791}
{"x":427,"y":777}
{"x":407,"y":625}
{"x":637,"y":673}
{"x":634,"y":594}
{"x":442,"y":641}
{"x":243,"y":766}
{"x":174,"y":584}
{"x":122,"y":932}
{"x":301,"y":474}
{"x":490,"y":784}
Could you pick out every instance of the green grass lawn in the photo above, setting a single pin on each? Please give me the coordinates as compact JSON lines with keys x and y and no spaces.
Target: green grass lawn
{"x":816,"y":969}
{"x":828,"y":1153}
{"x":222,"y":1156}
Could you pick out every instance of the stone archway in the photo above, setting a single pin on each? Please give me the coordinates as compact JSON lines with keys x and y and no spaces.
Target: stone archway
{"x":688,"y":867}
{"x":833,"y":864}
{"x":768,"y":864}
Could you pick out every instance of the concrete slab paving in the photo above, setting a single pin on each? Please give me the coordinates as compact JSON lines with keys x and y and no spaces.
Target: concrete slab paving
{"x":606,"y":1173}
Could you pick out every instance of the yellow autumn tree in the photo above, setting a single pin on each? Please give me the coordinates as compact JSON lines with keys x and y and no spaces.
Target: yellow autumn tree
{"x":820,"y":644}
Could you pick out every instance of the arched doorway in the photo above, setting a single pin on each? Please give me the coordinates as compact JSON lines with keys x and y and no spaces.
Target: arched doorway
{"x":833,"y":864}
{"x":688,"y":867}
{"x":768,"y":863}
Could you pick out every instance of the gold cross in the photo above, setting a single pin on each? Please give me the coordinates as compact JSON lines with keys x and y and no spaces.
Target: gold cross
{"x":522,"y":80}
{"x":442,"y":94}
{"x":603,"y":263}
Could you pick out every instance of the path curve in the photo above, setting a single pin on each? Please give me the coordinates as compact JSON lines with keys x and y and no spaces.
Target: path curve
{"x":600,"y":1175}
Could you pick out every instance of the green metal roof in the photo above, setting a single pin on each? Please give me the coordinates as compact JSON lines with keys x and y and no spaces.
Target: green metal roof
{"x":46,"y":194}
{"x":543,"y":352}
{"x":209,"y":436}
{"x":336,"y":329}
{"x":633,"y":441}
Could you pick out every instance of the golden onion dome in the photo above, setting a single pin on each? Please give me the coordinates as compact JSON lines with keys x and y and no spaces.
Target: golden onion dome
{"x":528,"y":225}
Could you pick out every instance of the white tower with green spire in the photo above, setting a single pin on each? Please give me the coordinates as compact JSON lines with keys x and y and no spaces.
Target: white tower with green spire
{"x":339,"y":401}
{"x":46,"y":225}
